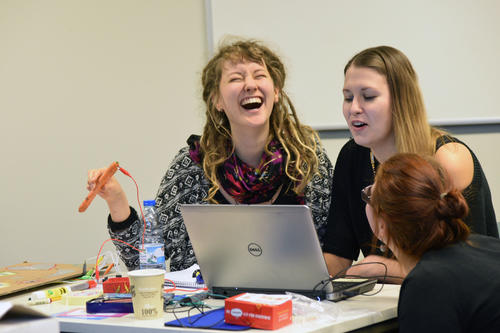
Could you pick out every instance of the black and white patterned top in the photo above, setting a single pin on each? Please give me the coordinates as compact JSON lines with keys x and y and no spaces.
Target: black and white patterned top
{"x":185,"y":182}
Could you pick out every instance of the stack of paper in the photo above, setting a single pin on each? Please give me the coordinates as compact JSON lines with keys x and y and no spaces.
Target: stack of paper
{"x":183,"y":279}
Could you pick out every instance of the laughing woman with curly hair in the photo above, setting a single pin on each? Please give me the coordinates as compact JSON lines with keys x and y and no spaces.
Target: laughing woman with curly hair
{"x":253,"y":150}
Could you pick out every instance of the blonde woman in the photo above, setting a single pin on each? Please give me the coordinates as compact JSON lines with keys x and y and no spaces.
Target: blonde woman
{"x":385,"y":112}
{"x":253,"y":150}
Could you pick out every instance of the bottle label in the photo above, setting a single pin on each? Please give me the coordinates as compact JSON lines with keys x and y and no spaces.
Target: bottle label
{"x":153,"y":256}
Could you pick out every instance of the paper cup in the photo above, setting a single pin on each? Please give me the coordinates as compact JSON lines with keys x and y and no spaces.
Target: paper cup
{"x":146,"y":287}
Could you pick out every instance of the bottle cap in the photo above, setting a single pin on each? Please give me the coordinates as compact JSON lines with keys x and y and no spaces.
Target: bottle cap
{"x":149,"y":202}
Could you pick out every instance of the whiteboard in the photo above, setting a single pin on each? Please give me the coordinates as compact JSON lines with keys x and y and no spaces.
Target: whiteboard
{"x":454,"y":45}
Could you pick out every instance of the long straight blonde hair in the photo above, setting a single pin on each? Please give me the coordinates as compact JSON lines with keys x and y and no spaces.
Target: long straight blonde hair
{"x":412,"y":131}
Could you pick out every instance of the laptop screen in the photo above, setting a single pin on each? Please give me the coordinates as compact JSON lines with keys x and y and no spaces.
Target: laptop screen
{"x":256,"y":248}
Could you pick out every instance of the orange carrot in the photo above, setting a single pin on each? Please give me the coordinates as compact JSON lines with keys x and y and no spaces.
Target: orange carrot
{"x":101,"y":181}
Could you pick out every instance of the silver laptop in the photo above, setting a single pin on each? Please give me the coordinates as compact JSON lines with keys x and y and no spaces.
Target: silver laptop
{"x":257,"y":248}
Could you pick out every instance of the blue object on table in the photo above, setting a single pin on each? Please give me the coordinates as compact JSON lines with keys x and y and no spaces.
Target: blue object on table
{"x":102,"y":305}
{"x":199,"y":279}
{"x":213,"y":319}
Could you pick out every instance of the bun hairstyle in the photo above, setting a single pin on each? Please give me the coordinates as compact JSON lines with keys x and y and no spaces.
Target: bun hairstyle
{"x":413,"y":195}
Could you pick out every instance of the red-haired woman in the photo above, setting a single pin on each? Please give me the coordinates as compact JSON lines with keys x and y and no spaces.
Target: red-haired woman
{"x":451,"y":282}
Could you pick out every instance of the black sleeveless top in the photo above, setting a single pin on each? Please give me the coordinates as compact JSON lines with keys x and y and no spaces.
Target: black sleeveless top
{"x":348,"y":230}
{"x":481,"y":218}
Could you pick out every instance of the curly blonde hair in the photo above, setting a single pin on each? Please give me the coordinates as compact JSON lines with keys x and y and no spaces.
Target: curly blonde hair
{"x":300,"y":142}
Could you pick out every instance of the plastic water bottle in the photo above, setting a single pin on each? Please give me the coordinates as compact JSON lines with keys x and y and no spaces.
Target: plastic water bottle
{"x":153,"y":255}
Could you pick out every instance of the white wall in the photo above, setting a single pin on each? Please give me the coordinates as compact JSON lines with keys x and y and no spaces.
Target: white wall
{"x":446,"y":41}
{"x":84,"y":83}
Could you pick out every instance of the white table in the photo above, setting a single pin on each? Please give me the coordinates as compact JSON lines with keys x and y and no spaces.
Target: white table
{"x":356,"y":312}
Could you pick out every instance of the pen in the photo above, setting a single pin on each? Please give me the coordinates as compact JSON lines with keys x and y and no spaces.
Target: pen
{"x":108,"y":269}
{"x":39,"y":301}
{"x":84,"y":285}
{"x":49,"y":293}
{"x":47,"y":296}
{"x":89,"y":274}
{"x":101,"y":181}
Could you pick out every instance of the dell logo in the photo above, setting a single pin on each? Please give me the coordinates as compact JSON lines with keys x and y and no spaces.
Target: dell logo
{"x":254,"y":249}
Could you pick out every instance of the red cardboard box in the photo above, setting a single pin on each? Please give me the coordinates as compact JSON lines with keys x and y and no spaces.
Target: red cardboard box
{"x":268,"y":312}
{"x":116,"y":285}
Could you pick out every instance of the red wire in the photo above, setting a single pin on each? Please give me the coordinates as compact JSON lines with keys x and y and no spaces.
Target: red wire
{"x":173,"y":286}
{"x":125,"y":172}
{"x":98,"y":254}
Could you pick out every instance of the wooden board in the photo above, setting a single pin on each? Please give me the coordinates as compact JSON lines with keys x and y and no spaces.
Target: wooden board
{"x":29,"y":275}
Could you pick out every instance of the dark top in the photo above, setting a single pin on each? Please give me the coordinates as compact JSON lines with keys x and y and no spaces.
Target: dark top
{"x":348,"y":230}
{"x":185,"y":182}
{"x":455,"y":289}
{"x":481,"y":218}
